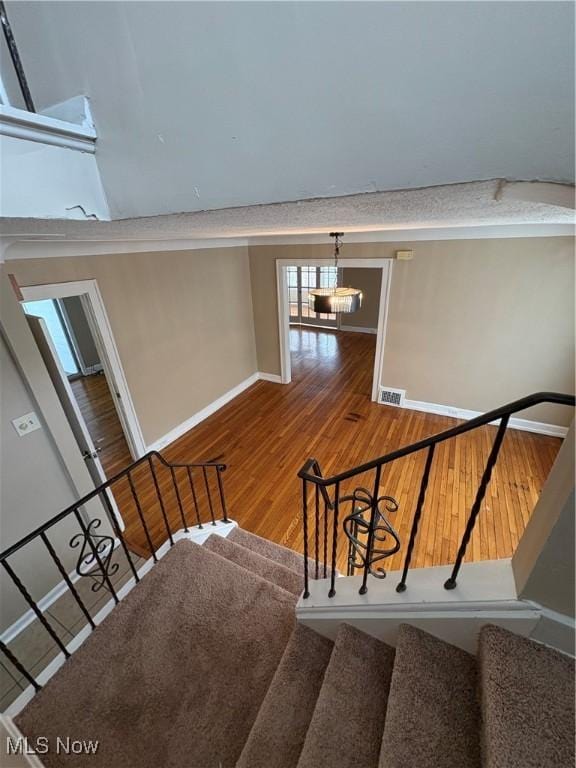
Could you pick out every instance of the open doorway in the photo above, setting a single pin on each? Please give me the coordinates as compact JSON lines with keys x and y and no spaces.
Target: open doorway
{"x":71,"y":330}
{"x":329,"y":344}
{"x":66,"y":343}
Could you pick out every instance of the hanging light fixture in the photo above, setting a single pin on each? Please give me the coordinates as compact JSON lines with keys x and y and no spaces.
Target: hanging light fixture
{"x":335,"y":300}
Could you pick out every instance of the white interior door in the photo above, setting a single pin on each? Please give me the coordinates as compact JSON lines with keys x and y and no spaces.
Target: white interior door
{"x":70,"y":406}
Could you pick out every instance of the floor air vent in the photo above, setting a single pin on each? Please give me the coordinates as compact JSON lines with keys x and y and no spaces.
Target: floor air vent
{"x":390,"y":396}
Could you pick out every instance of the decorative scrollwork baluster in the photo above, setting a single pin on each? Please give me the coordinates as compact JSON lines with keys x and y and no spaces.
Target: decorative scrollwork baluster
{"x":95,"y":558}
{"x":357,"y":529}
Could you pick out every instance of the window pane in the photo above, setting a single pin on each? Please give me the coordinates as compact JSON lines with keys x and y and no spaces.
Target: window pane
{"x":47,"y":310}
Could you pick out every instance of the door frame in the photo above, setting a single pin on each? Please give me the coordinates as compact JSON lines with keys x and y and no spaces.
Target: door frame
{"x":284,"y":310}
{"x":97,"y":317}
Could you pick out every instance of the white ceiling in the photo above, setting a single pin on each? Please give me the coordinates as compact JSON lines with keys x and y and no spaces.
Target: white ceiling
{"x":480,"y":209}
{"x":207,"y":105}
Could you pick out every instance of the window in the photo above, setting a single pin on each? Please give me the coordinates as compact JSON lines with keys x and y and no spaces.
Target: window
{"x":300,"y":281}
{"x":49,"y":311}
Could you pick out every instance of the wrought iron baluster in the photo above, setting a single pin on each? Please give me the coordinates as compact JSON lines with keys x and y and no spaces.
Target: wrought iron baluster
{"x":180,"y":507}
{"x":451,"y":582}
{"x":31,"y":602}
{"x":221,"y":492}
{"x":19,"y":666}
{"x":305,"y":525}
{"x":316,"y":529}
{"x":209,"y":495}
{"x":141,"y":516}
{"x":160,"y":500}
{"x":66,"y":578}
{"x":419,"y":505}
{"x":325,"y":538}
{"x":332,"y":591}
{"x":104,"y":494}
{"x":194,"y":499}
{"x":107,"y":541}
{"x":370,"y":543}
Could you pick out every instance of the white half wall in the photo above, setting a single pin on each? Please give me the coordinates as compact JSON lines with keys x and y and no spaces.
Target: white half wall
{"x":46,"y":181}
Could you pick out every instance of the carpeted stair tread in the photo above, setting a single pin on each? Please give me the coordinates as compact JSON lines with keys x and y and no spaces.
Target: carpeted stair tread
{"x":176,"y":674}
{"x":282,"y":555}
{"x":528,"y":702}
{"x":433,"y":718}
{"x":286,"y":557}
{"x":346,"y":728}
{"x":262,"y":566}
{"x":280,"y":729}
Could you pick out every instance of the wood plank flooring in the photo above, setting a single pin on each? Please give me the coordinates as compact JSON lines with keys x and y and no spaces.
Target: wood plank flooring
{"x":267,"y":433}
{"x":97,"y":407}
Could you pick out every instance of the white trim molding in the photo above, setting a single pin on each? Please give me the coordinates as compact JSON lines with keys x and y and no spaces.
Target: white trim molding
{"x":20,"y":124}
{"x":273,"y":377}
{"x":485,"y":594}
{"x":464,"y":414}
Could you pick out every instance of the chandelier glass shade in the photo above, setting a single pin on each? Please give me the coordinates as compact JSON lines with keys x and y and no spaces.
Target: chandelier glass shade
{"x":331,"y":301}
{"x":335,"y":300}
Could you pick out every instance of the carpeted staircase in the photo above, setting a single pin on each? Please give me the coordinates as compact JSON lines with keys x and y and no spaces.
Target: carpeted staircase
{"x":202,"y":665}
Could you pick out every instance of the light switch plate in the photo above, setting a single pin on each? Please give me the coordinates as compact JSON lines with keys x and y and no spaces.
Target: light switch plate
{"x":26,"y":424}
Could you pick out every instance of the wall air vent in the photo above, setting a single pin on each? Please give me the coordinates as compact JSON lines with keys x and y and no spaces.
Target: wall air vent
{"x":390,"y":396}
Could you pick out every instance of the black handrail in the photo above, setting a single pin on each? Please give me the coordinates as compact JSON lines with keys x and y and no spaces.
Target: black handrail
{"x":311,"y":473}
{"x":98,"y":491}
{"x":95,"y":548}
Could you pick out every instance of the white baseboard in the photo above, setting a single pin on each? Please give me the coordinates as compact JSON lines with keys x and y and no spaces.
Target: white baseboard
{"x":196,"y":418}
{"x":273,"y":377}
{"x":358,"y":329}
{"x":465,"y":414}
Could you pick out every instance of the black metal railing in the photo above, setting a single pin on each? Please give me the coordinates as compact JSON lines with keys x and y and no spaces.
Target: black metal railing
{"x":157,"y":497}
{"x":371,"y":536}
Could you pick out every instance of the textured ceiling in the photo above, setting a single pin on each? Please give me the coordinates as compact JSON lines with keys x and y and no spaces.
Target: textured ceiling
{"x":478,"y":204}
{"x":209,"y":105}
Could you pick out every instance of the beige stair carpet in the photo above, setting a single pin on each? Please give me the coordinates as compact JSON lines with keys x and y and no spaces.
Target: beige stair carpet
{"x":346,"y":728}
{"x":262,"y":566}
{"x":433,"y":717}
{"x":176,"y":674}
{"x":276,"y":552}
{"x":528,"y":702}
{"x":278,"y":734}
{"x":269,"y":549}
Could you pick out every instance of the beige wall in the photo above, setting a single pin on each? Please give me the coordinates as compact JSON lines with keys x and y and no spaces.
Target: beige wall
{"x":471,"y":323}
{"x":182,"y":321}
{"x":27,"y":499}
{"x":369,"y":282}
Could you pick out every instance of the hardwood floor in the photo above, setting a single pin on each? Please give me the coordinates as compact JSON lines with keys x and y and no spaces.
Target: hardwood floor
{"x":267,"y":433}
{"x":97,"y":407}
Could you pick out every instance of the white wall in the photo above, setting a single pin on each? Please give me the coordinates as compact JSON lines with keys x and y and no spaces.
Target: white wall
{"x":45,"y":181}
{"x":204,"y":105}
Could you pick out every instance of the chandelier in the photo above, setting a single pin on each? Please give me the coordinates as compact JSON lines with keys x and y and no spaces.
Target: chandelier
{"x":335,"y":300}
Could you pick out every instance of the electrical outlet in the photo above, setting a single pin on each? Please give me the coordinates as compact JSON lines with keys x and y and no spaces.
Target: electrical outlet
{"x":27,"y":423}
